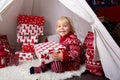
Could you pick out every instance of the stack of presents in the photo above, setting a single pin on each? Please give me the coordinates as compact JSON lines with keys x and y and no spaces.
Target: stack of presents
{"x":29,"y":30}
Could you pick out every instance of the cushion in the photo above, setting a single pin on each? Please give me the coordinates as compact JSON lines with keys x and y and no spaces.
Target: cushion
{"x":93,"y":66}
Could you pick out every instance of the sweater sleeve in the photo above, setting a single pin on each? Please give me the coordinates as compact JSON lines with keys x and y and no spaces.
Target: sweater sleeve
{"x":74,"y":50}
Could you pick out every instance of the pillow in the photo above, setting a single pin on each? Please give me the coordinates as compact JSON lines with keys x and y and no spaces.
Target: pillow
{"x":92,"y":66}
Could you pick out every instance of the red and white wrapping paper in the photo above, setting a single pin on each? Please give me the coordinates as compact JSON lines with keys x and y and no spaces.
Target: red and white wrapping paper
{"x":27,"y":39}
{"x":45,"y":50}
{"x":5,"y":43}
{"x":28,"y":47}
{"x":24,"y":56}
{"x":29,"y":29}
{"x":29,"y":19}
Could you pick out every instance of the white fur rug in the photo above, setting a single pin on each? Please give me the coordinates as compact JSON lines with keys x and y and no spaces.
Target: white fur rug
{"x":21,"y":72}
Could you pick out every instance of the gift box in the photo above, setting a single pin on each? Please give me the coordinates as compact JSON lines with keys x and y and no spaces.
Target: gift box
{"x":5,"y":43}
{"x":13,"y":59}
{"x":44,"y":51}
{"x":29,"y":19}
{"x":24,"y":56}
{"x":29,"y":29}
{"x":28,"y":47}
{"x":27,"y":39}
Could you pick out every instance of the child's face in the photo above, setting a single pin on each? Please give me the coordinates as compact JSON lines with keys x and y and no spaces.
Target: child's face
{"x":62,"y":28}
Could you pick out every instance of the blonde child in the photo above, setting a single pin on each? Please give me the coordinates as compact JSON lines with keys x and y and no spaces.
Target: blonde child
{"x":69,"y":59}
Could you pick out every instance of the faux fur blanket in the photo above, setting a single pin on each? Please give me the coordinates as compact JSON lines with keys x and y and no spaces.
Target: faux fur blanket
{"x":21,"y":72}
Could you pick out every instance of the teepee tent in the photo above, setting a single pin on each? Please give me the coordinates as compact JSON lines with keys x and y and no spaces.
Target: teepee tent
{"x":84,"y":20}
{"x":107,"y":48}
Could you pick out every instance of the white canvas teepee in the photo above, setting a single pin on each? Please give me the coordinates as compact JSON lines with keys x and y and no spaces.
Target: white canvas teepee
{"x":84,"y":20}
{"x":108,"y":50}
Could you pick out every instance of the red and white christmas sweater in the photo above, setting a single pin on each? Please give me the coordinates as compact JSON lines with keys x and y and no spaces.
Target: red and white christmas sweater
{"x":71,"y":57}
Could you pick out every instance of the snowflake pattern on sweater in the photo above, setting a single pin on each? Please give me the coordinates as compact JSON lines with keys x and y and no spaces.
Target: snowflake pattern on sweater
{"x":73,"y":50}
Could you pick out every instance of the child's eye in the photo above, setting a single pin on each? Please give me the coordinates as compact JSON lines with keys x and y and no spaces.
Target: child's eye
{"x":58,"y":26}
{"x":65,"y":25}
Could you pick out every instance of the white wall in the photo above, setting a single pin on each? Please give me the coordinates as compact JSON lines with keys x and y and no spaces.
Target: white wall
{"x":52,"y":10}
{"x":27,"y":7}
{"x":9,"y":21}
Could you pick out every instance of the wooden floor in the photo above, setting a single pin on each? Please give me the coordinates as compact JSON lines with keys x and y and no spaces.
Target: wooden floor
{"x":87,"y":76}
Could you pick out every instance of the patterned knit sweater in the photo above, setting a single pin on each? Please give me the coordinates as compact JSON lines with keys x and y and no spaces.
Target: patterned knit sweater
{"x":71,"y":57}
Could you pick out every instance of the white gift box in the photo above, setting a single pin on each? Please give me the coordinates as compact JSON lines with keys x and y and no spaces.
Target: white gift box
{"x":27,"y":39}
{"x":29,"y":29}
{"x":44,"y":51}
{"x":24,"y":56}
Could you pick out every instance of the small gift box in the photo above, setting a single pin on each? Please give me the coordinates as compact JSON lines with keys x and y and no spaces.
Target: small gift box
{"x":45,"y":50}
{"x":24,"y":56}
{"x":5,"y":43}
{"x":28,"y":47}
{"x":14,"y":59}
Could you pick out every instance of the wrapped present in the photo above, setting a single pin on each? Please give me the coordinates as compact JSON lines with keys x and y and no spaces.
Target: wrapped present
{"x":29,"y":29}
{"x":27,"y":39}
{"x":45,"y":50}
{"x":24,"y":56}
{"x":13,"y":59}
{"x":29,"y":19}
{"x":5,"y":43}
{"x":28,"y":47}
{"x":3,"y":59}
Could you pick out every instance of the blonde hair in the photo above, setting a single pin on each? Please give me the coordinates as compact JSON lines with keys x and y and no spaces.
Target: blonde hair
{"x":69,"y":21}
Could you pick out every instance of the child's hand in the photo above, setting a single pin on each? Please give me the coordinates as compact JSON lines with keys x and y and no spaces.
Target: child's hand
{"x":57,"y":56}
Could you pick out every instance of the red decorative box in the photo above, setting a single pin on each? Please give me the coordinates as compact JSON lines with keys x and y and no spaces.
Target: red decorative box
{"x":28,"y":47}
{"x":14,"y":59}
{"x":5,"y":43}
{"x":24,"y":56}
{"x":29,"y":29}
{"x":44,"y":50}
{"x":29,"y":19}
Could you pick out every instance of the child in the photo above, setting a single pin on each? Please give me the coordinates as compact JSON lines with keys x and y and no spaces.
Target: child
{"x":69,"y":59}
